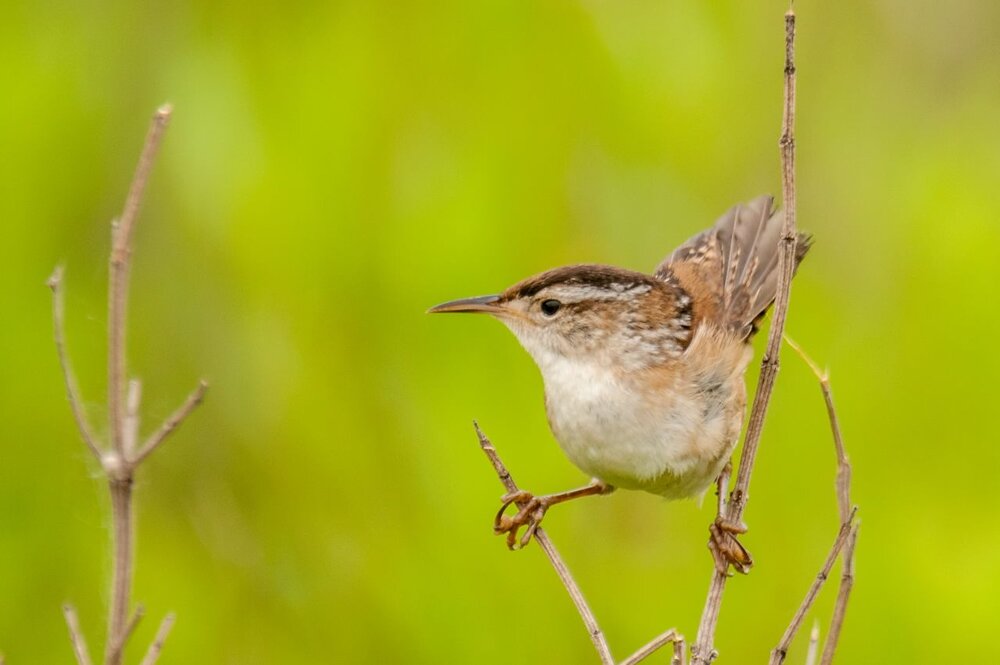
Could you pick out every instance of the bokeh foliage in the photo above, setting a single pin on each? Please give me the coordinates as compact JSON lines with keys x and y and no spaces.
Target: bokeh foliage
{"x":334,"y":168}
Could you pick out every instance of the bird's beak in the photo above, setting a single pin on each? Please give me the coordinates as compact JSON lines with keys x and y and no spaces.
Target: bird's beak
{"x":488,"y":304}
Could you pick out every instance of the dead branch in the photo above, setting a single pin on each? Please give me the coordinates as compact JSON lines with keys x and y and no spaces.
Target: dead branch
{"x":593,"y":629}
{"x":172,"y":422}
{"x":119,"y":266}
{"x":680,"y":651}
{"x":840,"y":608}
{"x":844,"y":507}
{"x":811,"y":652}
{"x":76,"y":635}
{"x":703,"y":651}
{"x":119,"y":459}
{"x":780,"y":651}
{"x":668,"y":637}
{"x":572,"y":588}
{"x":161,"y":636}
{"x":69,"y":377}
{"x":117,"y":647}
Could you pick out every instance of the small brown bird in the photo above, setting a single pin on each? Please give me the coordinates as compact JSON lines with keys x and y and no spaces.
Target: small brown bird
{"x":644,"y":374}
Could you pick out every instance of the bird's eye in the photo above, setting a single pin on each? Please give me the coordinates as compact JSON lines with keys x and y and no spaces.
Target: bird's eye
{"x":550,"y":307}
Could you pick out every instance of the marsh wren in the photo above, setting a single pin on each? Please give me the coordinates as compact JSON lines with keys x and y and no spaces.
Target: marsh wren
{"x":643,"y":374}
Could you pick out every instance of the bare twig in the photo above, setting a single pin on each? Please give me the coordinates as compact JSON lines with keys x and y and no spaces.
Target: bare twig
{"x":680,"y":651}
{"x":132,"y":402}
{"x":668,"y":637}
{"x":121,"y":460}
{"x":121,"y":572}
{"x":161,"y":636}
{"x":843,"y":505}
{"x":116,"y":649}
{"x":118,"y":274}
{"x":703,"y":651}
{"x":843,"y":594}
{"x":593,"y":629}
{"x":120,"y":470}
{"x":76,"y":635}
{"x":172,"y":423}
{"x":69,"y":378}
{"x":589,"y":620}
{"x":813,"y":650}
{"x":780,"y":651}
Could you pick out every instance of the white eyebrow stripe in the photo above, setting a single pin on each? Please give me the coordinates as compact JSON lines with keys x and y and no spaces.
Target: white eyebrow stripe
{"x":581,"y":292}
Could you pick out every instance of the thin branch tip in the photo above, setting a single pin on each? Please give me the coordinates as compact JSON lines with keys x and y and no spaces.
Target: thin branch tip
{"x":76,"y":635}
{"x":172,"y":422}
{"x":161,"y":636}
{"x":66,"y":365}
{"x":55,"y":279}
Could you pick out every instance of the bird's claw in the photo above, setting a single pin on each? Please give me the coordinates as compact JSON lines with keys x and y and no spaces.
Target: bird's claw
{"x":531,"y":510}
{"x":726,"y":548}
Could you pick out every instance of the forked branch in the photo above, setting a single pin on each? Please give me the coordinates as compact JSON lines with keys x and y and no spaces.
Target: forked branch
{"x":119,"y":458}
{"x":780,"y":651}
{"x":844,"y":507}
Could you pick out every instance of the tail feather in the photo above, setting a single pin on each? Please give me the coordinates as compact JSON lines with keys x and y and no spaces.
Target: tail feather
{"x":734,"y":264}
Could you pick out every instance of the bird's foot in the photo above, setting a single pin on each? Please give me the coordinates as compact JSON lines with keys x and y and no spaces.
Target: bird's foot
{"x":531,"y":510}
{"x":726,"y":548}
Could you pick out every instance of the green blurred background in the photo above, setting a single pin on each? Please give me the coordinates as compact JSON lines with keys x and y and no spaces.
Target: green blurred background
{"x":334,"y":168}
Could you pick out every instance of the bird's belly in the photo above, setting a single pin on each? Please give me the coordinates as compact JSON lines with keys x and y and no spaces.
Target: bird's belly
{"x":673,"y":444}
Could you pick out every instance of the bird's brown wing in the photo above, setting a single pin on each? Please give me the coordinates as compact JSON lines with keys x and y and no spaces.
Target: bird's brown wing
{"x":730,"y":269}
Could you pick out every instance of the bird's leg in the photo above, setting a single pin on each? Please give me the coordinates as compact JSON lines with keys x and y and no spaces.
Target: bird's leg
{"x":725,"y":547}
{"x":531,"y":510}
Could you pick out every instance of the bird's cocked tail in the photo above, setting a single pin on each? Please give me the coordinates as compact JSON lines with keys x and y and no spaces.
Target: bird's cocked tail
{"x":736,"y":261}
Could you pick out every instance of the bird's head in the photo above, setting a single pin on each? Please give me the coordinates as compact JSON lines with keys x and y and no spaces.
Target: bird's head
{"x":590,"y":313}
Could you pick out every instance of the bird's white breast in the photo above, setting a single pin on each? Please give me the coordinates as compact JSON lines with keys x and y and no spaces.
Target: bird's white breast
{"x":671,"y":443}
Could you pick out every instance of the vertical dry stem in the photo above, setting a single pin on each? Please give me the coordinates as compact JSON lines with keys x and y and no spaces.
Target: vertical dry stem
{"x":704,"y":652}
{"x":118,"y":277}
{"x":121,"y":574}
{"x":843,"y":594}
